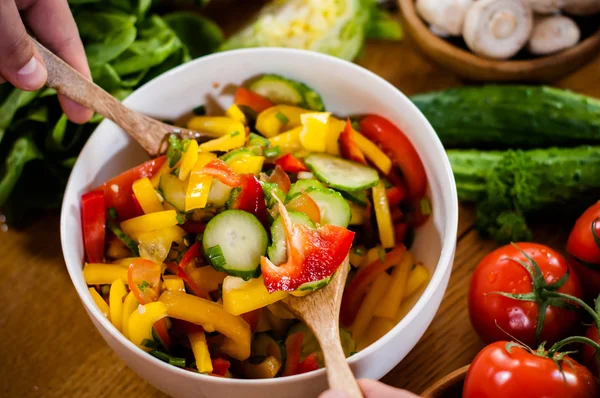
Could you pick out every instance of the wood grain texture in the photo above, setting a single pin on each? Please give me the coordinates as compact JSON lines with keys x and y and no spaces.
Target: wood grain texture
{"x":320,"y":311}
{"x":49,"y":347}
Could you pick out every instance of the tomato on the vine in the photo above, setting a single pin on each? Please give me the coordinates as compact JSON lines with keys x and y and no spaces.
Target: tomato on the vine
{"x":584,"y":246}
{"x":589,"y":353}
{"x":504,"y":369}
{"x":512,"y":283}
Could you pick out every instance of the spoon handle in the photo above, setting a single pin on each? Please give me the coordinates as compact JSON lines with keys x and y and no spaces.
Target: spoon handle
{"x":149,"y":133}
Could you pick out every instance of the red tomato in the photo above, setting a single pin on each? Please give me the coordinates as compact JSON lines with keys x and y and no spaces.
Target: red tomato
{"x":584,"y":247}
{"x":118,"y":191}
{"x":93,"y":222}
{"x":144,"y":279}
{"x":220,"y":366}
{"x":401,"y":151}
{"x":293,"y":348}
{"x":308,"y":364}
{"x":257,"y":102}
{"x":280,"y":177}
{"x":589,"y":352}
{"x":499,"y":272}
{"x":305,"y":204}
{"x":500,"y":373}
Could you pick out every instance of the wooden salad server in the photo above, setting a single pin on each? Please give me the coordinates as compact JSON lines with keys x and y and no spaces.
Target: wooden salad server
{"x":320,"y":311}
{"x":150,"y":133}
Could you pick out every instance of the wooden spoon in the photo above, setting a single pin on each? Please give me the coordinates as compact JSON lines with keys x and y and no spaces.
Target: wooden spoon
{"x":149,"y":133}
{"x":320,"y":311}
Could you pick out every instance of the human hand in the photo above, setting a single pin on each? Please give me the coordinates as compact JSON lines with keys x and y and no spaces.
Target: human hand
{"x":53,"y":25}
{"x":372,"y":389}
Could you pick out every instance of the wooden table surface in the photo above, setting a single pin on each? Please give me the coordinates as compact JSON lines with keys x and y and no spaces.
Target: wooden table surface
{"x":49,"y":347}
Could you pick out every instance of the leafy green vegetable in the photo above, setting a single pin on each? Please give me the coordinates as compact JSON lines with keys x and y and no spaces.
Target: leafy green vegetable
{"x":509,"y":185}
{"x":383,"y":26}
{"x":189,"y":27}
{"x":22,"y":152}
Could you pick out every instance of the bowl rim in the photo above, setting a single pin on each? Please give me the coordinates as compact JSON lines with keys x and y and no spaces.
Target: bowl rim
{"x":416,"y":24}
{"x":450,"y":209}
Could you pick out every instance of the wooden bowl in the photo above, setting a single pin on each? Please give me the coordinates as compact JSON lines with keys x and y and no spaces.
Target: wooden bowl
{"x":450,"y":386}
{"x":472,"y":67}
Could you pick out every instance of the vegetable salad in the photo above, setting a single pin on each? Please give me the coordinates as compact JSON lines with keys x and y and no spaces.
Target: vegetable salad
{"x":190,"y":254}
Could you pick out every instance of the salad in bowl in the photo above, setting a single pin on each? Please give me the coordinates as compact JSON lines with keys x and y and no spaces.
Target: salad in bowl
{"x":190,"y":254}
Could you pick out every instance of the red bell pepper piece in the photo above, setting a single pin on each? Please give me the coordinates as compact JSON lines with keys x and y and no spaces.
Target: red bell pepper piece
{"x":400,"y":231}
{"x":312,"y":254}
{"x":293,"y":348}
{"x":138,"y":208}
{"x":93,"y":221}
{"x":393,"y":141}
{"x":252,"y":317}
{"x":291,"y":164}
{"x":395,"y":195}
{"x":280,"y":177}
{"x":348,"y":147}
{"x":181,"y":328}
{"x":248,"y":98}
{"x":220,"y":366}
{"x":397,"y":215}
{"x":118,"y":191}
{"x":308,"y":364}
{"x":251,"y":198}
{"x":193,"y":227}
{"x":194,"y":251}
{"x":356,"y":290}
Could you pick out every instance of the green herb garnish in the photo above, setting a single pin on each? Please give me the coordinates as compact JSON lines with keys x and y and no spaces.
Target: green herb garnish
{"x":282,"y":118}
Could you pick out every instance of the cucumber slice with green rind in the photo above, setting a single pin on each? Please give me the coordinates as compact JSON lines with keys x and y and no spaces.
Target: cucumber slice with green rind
{"x":340,"y":173}
{"x":270,"y":189}
{"x":219,"y":193}
{"x":356,"y":197}
{"x":303,"y":185}
{"x":242,"y":240}
{"x":281,"y":90}
{"x":173,"y":191}
{"x":231,"y":155}
{"x":333,"y":207}
{"x":277,"y":252}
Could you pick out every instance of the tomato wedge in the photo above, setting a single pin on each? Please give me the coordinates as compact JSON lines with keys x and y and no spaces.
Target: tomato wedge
{"x":93,"y":222}
{"x":399,"y":148}
{"x":144,"y":280}
{"x":280,"y":177}
{"x":220,"y":366}
{"x":348,"y":147}
{"x":305,"y":204}
{"x":248,"y":98}
{"x":309,"y":364}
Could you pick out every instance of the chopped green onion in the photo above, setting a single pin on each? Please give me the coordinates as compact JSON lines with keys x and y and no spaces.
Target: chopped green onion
{"x":142,"y":286}
{"x":425,"y":205}
{"x":381,"y":254}
{"x":150,"y":344}
{"x":386,"y":183}
{"x":358,"y":250}
{"x":179,"y":362}
{"x":272,"y":152}
{"x":235,"y":133}
{"x":180,"y":218}
{"x":175,"y":172}
{"x":355,"y":125}
{"x":105,"y":290}
{"x":282,"y":118}
{"x":215,"y":256}
{"x":199,"y":110}
{"x":112,"y":213}
{"x":257,"y":140}
{"x":113,"y":225}
{"x":176,"y":148}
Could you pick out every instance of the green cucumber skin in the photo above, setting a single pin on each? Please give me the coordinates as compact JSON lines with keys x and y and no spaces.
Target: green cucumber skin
{"x":308,"y":98}
{"x":229,"y":156}
{"x":498,"y":117}
{"x":169,"y":186}
{"x":342,"y":187}
{"x":313,"y":193}
{"x":356,"y":197}
{"x":273,"y":251}
{"x":303,"y":185}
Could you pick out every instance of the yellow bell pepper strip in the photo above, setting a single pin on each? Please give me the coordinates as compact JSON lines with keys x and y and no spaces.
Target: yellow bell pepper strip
{"x":247,"y":164}
{"x":390,"y":305}
{"x":149,"y":222}
{"x":103,"y":274}
{"x":373,"y":153}
{"x":142,"y":320}
{"x":188,"y":160}
{"x":212,"y":317}
{"x":336,"y":126}
{"x":207,"y":277}
{"x":235,"y":113}
{"x":236,"y":139}
{"x":384,"y":218}
{"x":173,"y":283}
{"x":240,"y":296}
{"x":272,"y":121}
{"x":287,"y":142}
{"x":129,"y":305}
{"x":378,"y":328}
{"x":369,"y":305}
{"x":200,"y":350}
{"x":155,"y":179}
{"x":315,"y":128}
{"x":125,"y":262}
{"x":146,"y":196}
{"x":263,"y":323}
{"x":115,"y":300}
{"x":416,"y":279}
{"x":372,"y":254}
{"x":199,"y":184}
{"x":358,"y":214}
{"x":116,"y":248}
{"x":267,"y":369}
{"x":155,"y":245}
{"x":100,"y":303}
{"x":219,"y":126}
{"x":357,"y":256}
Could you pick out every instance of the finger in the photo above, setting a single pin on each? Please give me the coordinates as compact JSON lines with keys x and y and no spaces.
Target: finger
{"x":333,"y":394}
{"x":20,"y":63}
{"x":54,"y":26}
{"x":372,"y":389}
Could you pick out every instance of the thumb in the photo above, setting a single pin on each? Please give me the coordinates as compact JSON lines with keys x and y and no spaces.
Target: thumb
{"x":20,"y":63}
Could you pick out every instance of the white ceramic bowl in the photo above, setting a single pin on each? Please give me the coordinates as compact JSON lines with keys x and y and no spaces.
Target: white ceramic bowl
{"x":347,"y":89}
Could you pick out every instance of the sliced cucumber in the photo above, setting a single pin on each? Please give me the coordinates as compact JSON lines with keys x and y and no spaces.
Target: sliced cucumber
{"x":310,"y":343}
{"x":173,"y":191}
{"x":219,"y":193}
{"x":285,"y":91}
{"x":277,"y":252}
{"x":340,"y":173}
{"x":333,"y":207}
{"x":236,"y":153}
{"x":311,"y":286}
{"x":357,"y":197}
{"x":258,"y":140}
{"x":232,"y":197}
{"x":270,"y":189}
{"x":234,"y":241}
{"x":303,"y":185}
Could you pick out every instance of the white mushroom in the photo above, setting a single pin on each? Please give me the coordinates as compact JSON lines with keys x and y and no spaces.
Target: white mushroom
{"x":445,"y":16}
{"x":497,"y":28}
{"x":582,"y":7}
{"x":546,"y":6}
{"x":553,"y":34}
